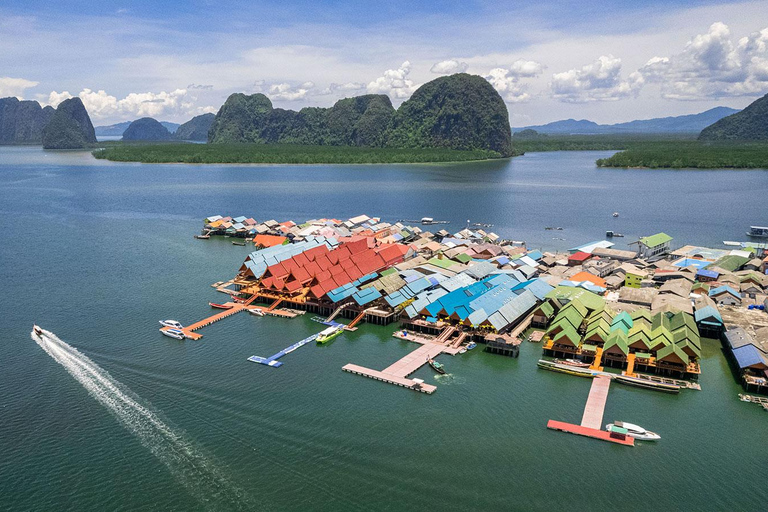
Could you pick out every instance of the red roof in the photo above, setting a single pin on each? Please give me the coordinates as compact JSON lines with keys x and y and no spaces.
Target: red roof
{"x":579,"y":256}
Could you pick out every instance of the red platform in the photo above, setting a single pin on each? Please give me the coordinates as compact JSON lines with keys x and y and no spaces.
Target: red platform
{"x":588,"y":432}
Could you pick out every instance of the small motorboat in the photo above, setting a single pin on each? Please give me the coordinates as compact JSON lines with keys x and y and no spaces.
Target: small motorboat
{"x":172,"y":324}
{"x":256,"y":311}
{"x":615,"y":214}
{"x":439,"y":368}
{"x":220,"y":306}
{"x":202,"y":237}
{"x":471,"y":345}
{"x":328,"y":334}
{"x":635,"y":431}
{"x":173,"y":333}
{"x":37,"y":330}
{"x":238,"y":243}
{"x":463,"y":350}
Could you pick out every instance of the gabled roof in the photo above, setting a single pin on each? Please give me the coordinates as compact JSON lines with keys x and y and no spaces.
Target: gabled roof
{"x":567,"y":336}
{"x":708,"y":314}
{"x":724,"y":289}
{"x":655,"y":240}
{"x":617,"y":342}
{"x":672,"y":353}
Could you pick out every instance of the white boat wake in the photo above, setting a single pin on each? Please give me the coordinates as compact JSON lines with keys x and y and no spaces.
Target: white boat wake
{"x":193,"y":470}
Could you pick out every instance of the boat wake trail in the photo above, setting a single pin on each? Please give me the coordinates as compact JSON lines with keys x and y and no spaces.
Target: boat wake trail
{"x":190,"y":467}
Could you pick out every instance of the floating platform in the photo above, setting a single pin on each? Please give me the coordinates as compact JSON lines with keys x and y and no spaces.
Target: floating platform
{"x":589,"y":432}
{"x":398,"y":372}
{"x":592,"y":419}
{"x":390,"y":379}
{"x":273,"y":360}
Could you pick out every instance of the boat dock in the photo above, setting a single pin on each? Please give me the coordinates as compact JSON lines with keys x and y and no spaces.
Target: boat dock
{"x":592,"y":419}
{"x":398,"y":372}
{"x":273,"y":360}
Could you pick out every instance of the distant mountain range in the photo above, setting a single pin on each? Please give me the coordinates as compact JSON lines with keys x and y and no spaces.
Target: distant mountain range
{"x":692,"y":123}
{"x":117,"y":130}
{"x":749,"y":124}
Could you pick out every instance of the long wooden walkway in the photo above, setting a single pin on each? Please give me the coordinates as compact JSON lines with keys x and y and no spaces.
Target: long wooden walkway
{"x":592,"y":419}
{"x":234,"y":307}
{"x":593,"y":411}
{"x":397,"y":373}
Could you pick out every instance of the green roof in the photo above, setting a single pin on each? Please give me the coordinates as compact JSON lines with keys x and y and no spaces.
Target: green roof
{"x":569,"y":336}
{"x":622,"y":321}
{"x":463,"y":257}
{"x":566,"y":293}
{"x":654,"y":240}
{"x":602,"y":329}
{"x":639,"y":333}
{"x":442,"y":263}
{"x":570,"y":316}
{"x":577,"y":306}
{"x":660,"y":320}
{"x":599,"y":316}
{"x":731,"y":262}
{"x":672,"y":350}
{"x":588,"y":348}
{"x":692,"y":347}
{"x":547,"y":309}
{"x":641,"y":313}
{"x":618,"y":339}
{"x":642,"y":355}
{"x":387,"y":272}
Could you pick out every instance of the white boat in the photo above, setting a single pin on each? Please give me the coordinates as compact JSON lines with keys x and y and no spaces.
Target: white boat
{"x":173,"y":333}
{"x":635,"y":431}
{"x":38,"y":331}
{"x":171,"y":323}
{"x":615,"y":214}
{"x":256,"y":311}
{"x":471,"y":345}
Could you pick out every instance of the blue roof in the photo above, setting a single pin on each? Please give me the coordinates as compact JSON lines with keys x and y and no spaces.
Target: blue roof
{"x":708,"y":312}
{"x":342,"y":292}
{"x":724,"y":288}
{"x":691,"y":262}
{"x":535,"y":255}
{"x":708,"y":273}
{"x":748,"y":355}
{"x":366,"y":295}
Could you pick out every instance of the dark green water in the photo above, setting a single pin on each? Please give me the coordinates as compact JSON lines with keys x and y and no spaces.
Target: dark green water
{"x":98,"y":252}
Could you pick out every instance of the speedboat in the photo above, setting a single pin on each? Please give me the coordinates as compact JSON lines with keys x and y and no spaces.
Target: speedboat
{"x":37,"y":331}
{"x":439,"y":368}
{"x":171,"y":323}
{"x":635,"y":431}
{"x":256,"y":311}
{"x":328,"y":334}
{"x":219,"y":306}
{"x":615,"y":214}
{"x":173,"y":333}
{"x":471,"y":345}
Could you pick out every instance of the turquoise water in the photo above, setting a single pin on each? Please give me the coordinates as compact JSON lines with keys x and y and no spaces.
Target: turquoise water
{"x":98,"y":252}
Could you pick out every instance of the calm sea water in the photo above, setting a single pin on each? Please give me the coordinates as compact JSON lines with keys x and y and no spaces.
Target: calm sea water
{"x":98,"y":252}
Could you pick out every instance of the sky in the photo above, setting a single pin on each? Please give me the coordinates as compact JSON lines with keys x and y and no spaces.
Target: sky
{"x":608,"y":61}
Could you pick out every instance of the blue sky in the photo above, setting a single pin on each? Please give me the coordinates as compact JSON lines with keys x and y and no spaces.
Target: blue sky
{"x":608,"y":61}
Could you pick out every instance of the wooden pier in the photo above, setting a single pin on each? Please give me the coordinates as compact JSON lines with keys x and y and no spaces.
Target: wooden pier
{"x":592,"y":419}
{"x":398,"y":372}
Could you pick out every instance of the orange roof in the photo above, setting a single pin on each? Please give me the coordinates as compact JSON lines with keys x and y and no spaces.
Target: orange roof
{"x":268,"y":240}
{"x":587,"y":276}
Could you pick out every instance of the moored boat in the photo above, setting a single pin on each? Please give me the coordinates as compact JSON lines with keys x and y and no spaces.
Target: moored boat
{"x":220,"y":306}
{"x":563,"y":368}
{"x":202,"y":237}
{"x":572,"y":362}
{"x":238,"y":243}
{"x":439,"y":368}
{"x":635,"y":431}
{"x":471,"y":345}
{"x":256,"y":311}
{"x":171,"y":323}
{"x":648,"y":384}
{"x":173,"y":333}
{"x":328,"y":334}
{"x":758,"y":231}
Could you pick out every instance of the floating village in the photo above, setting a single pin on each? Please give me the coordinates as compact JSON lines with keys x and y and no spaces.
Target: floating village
{"x":634,"y":317}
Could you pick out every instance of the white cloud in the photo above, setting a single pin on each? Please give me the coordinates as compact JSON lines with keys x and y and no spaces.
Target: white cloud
{"x":284,"y":91}
{"x":395,"y":83}
{"x":712,"y":66}
{"x":334,"y":88}
{"x":526,"y":68}
{"x":599,"y":81}
{"x":101,"y":105}
{"x":507,"y":80}
{"x":14,"y":86}
{"x":507,"y":85}
{"x":447,"y":67}
{"x":200,"y":86}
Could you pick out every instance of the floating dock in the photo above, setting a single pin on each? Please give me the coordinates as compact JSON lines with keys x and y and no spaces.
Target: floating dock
{"x":273,"y":360}
{"x":398,"y":372}
{"x":592,"y":419}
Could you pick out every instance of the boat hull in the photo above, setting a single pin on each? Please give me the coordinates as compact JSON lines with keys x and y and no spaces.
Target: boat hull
{"x":561,"y":368}
{"x":648,"y":384}
{"x":219,"y":306}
